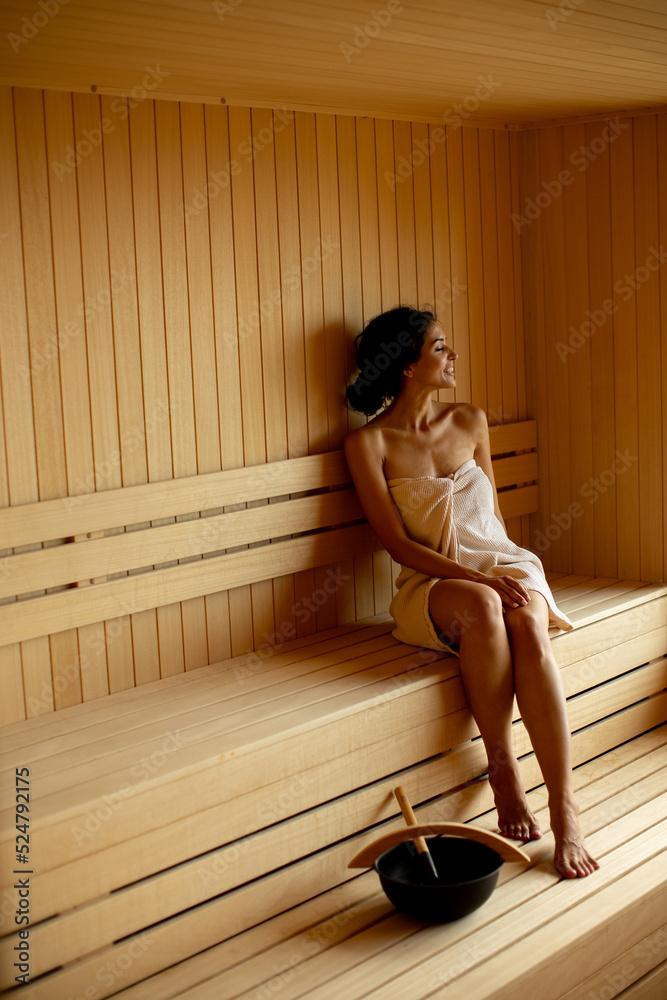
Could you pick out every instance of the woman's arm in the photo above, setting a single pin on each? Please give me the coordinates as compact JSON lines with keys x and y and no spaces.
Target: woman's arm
{"x":365,"y":459}
{"x":363,"y":451}
{"x":483,"y":458}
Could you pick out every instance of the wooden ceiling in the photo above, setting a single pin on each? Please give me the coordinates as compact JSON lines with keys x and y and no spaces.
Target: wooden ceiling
{"x":506,"y":63}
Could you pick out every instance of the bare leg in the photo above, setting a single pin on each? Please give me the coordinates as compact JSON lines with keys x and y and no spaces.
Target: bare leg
{"x":471,"y":614}
{"x":542,"y":705}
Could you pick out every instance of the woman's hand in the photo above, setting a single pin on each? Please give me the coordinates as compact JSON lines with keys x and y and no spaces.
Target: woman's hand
{"x":511,"y":591}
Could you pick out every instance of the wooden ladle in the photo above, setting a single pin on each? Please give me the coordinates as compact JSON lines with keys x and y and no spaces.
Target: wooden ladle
{"x":367,"y":857}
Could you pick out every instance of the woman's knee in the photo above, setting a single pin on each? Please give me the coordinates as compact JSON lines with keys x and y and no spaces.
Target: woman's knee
{"x":459,"y":605}
{"x":529,"y":626}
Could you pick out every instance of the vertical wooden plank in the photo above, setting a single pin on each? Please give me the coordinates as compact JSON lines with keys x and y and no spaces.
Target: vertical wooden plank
{"x":445,"y":292}
{"x":369,"y":240}
{"x":386,"y":194}
{"x":459,"y":261}
{"x":555,"y":316}
{"x":268,"y":261}
{"x":250,"y":351}
{"x":328,"y":166}
{"x":291,"y":315}
{"x":513,"y":300}
{"x":509,"y":327}
{"x":149,"y":286}
{"x":245,"y":253}
{"x":15,"y":374}
{"x":215,"y":200}
{"x":70,"y":304}
{"x":264,"y":126}
{"x":202,"y":332}
{"x":578,"y":362}
{"x":313,"y":309}
{"x":348,"y":167}
{"x":491,"y":278}
{"x":71,"y":307}
{"x":651,"y":447}
{"x":15,"y":382}
{"x":99,"y":337}
{"x":405,"y":217}
{"x":153,"y":338}
{"x":602,"y":305}
{"x":135,"y":427}
{"x":199,"y":290}
{"x":360,"y":274}
{"x":473,"y":243}
{"x":40,"y":299}
{"x":528,"y":234}
{"x":289,"y":242}
{"x":518,"y":283}
{"x":179,"y":347}
{"x":425,"y":295}
{"x":313,"y":317}
{"x":625,"y":351}
{"x":175,"y":289}
{"x":44,"y":369}
{"x":97,"y":292}
{"x":12,"y":703}
{"x":332,"y":292}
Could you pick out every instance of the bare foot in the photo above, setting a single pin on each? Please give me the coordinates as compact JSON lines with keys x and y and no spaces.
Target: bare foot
{"x":515,"y":820}
{"x":571,"y":858}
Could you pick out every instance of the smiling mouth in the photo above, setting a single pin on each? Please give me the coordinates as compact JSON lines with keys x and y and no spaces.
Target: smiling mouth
{"x":449,"y":370}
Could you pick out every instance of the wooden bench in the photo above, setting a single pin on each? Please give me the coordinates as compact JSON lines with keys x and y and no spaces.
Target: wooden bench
{"x":191,"y":836}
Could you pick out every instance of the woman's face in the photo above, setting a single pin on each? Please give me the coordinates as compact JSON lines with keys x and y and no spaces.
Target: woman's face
{"x":435,"y":365}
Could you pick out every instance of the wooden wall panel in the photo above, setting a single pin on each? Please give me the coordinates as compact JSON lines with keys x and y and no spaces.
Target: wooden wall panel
{"x":217,"y":264}
{"x":593,"y":230}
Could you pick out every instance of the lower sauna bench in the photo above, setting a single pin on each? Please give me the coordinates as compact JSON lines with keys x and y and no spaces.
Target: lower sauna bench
{"x":194,"y":834}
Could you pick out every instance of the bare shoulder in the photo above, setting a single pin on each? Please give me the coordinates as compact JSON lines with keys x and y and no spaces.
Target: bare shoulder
{"x":365,"y":442}
{"x":469,"y":417}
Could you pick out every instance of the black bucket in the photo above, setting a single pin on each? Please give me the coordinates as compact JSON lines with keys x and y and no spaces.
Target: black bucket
{"x":467,"y":875}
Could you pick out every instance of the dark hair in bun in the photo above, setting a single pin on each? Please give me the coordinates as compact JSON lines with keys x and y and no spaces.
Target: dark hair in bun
{"x":389,"y":343}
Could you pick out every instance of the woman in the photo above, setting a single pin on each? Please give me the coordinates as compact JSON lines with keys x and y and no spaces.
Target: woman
{"x":423,"y":473}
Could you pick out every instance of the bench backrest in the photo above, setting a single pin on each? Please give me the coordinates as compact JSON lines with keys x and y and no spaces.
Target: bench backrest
{"x":89,"y":558}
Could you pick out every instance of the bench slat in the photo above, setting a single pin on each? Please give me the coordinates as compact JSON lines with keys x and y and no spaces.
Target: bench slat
{"x":69,"y":563}
{"x":85,"y":605}
{"x":68,"y":516}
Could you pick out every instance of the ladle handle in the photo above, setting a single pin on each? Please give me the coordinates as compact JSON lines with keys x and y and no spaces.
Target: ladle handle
{"x":426,"y":859}
{"x":410,"y":818}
